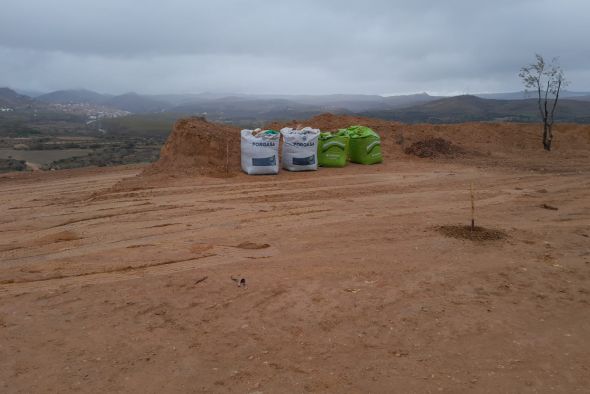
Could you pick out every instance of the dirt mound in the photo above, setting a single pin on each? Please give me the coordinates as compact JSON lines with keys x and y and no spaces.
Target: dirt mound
{"x":498,"y":141}
{"x":389,"y":131}
{"x":332,"y":122}
{"x":475,"y":234}
{"x":197,"y":147}
{"x":433,"y":147}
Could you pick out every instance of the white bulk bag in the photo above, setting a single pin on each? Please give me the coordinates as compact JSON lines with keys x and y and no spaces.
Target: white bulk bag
{"x":260,"y":151}
{"x":300,"y":149}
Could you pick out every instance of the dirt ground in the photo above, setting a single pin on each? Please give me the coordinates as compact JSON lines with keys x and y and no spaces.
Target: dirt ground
{"x":350,"y":285}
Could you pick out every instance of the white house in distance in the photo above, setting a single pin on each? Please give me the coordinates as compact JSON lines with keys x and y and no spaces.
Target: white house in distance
{"x":4,"y":109}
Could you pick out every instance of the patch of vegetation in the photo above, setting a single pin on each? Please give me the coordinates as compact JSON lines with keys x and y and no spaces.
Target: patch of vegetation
{"x":147,"y":125}
{"x":15,"y":127}
{"x":9,"y":165}
{"x":433,"y":147}
{"x":110,"y":155}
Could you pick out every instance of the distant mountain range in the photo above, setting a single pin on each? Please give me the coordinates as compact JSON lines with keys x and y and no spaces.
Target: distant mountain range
{"x":513,"y":106}
{"x":526,"y":95}
{"x":474,"y":109}
{"x":210,"y":102}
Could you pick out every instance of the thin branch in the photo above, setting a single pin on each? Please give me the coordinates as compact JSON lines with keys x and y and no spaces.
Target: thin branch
{"x":555,"y":100}
{"x":546,"y":113}
{"x":539,"y":95}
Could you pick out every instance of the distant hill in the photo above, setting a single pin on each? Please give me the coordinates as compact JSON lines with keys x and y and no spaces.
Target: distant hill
{"x":276,"y":107}
{"x":332,"y":102}
{"x":582,"y":98}
{"x":355,"y":102}
{"x":409,"y":100}
{"x":187,"y":98}
{"x":74,"y":97}
{"x":245,"y":109}
{"x":135,"y":103}
{"x":11,"y":99}
{"x":470,"y":108}
{"x":30,"y":93}
{"x":131,"y":102}
{"x":524,"y":95}
{"x":242,"y":110}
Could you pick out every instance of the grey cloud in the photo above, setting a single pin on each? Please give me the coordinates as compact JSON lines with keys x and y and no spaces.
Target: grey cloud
{"x":287,"y":46}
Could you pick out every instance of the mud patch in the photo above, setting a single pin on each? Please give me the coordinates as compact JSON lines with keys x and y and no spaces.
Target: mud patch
{"x":475,"y":234}
{"x":252,"y":245}
{"x":433,"y":147}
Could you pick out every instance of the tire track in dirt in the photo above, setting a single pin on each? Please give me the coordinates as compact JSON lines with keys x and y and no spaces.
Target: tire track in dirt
{"x":83,"y":250}
{"x":241,"y":188}
{"x":110,"y":215}
{"x":107,"y":271}
{"x":220,"y":255}
{"x":59,"y":186}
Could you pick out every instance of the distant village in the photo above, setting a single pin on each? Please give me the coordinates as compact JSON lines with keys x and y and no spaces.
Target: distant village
{"x":92,"y":111}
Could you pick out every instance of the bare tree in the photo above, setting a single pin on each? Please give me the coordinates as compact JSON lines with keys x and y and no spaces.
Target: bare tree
{"x":547,"y":80}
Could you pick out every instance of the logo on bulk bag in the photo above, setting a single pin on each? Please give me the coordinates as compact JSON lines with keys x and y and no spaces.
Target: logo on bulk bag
{"x":372,"y":145}
{"x":330,"y":144}
{"x":304,"y":161}
{"x":264,"y":161}
{"x":304,"y":144}
{"x":263,"y":143}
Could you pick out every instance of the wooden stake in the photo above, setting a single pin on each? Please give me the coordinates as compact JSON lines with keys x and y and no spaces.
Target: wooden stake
{"x":472,"y":207}
{"x":227,"y":156}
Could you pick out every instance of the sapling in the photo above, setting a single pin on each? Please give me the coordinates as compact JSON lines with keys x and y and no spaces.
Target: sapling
{"x":472,"y":207}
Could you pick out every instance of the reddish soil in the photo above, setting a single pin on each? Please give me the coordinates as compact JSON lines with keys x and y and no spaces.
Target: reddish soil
{"x":432,"y":147}
{"x":120,"y":279}
{"x":197,"y":147}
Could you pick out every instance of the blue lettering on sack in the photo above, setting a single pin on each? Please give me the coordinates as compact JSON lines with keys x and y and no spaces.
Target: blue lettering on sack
{"x":264,"y":161}
{"x":263,"y":143}
{"x":304,"y":161}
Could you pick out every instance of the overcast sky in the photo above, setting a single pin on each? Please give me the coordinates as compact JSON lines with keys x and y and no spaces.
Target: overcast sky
{"x":295,"y":46}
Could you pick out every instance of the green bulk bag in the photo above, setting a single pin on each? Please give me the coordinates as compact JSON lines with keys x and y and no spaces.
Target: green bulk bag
{"x":346,"y":133}
{"x":365,"y":145}
{"x":332,"y":150}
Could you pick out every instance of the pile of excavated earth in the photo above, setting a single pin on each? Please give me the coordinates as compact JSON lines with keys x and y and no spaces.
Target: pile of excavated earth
{"x":197,"y":147}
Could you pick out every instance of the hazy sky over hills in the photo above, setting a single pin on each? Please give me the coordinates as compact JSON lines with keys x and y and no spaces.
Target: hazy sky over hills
{"x":274,"y":46}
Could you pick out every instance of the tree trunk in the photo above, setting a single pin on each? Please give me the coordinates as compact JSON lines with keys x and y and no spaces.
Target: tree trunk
{"x":547,"y":136}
